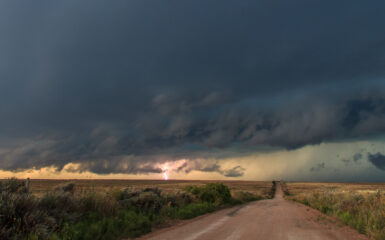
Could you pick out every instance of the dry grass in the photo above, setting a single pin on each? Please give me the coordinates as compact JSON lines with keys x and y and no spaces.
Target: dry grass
{"x":40,"y":187}
{"x":360,"y":205}
{"x":300,"y":188}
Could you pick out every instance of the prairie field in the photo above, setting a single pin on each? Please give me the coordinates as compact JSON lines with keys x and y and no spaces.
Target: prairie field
{"x":359,"y":205}
{"x":112,"y":209}
{"x":298,"y":188}
{"x":40,"y":187}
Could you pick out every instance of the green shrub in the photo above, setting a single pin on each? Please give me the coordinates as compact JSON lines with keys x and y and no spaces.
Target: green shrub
{"x":179,"y":199}
{"x":169,"y":212}
{"x":144,"y":202}
{"x":125,"y":224}
{"x":61,"y":206}
{"x":216,"y":193}
{"x":13,"y":185}
{"x":20,"y":214}
{"x":195,"y":209}
{"x":193,"y":189}
{"x":103,"y":205}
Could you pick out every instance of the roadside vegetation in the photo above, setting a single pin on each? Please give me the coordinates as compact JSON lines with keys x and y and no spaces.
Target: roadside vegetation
{"x":273,"y":187}
{"x":362,"y":210}
{"x":284,"y":188}
{"x":128,"y":212}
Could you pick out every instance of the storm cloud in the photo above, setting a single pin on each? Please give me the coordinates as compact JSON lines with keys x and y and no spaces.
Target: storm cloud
{"x":120,"y":86}
{"x":237,"y":171}
{"x":378,"y":160}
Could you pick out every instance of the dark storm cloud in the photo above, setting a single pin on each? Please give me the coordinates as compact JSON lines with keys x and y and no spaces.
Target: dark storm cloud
{"x":378,"y":160}
{"x":121,"y":85}
{"x":237,"y":171}
{"x":211,"y":166}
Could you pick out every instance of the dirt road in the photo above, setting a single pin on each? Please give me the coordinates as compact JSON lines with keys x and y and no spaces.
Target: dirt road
{"x":266,"y":220}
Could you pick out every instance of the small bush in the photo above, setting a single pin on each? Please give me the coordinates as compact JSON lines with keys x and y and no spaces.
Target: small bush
{"x":13,"y":185}
{"x":60,"y":206}
{"x":215,"y":193}
{"x":145,"y":202}
{"x":103,"y":205}
{"x":20,"y":214}
{"x":193,"y":189}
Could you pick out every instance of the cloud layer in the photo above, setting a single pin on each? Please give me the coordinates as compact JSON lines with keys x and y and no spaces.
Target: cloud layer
{"x":123,"y":87}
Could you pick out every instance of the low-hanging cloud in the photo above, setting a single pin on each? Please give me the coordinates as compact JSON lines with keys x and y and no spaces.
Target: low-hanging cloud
{"x":237,"y":171}
{"x":378,"y":160}
{"x":159,"y":138}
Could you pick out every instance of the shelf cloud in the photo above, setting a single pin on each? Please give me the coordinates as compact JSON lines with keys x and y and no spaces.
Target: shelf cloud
{"x":127,"y":86}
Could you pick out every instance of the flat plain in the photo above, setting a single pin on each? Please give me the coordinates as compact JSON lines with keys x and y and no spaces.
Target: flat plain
{"x":298,"y":188}
{"x":41,"y":186}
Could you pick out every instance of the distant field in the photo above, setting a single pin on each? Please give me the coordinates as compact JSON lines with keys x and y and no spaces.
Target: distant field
{"x":359,"y":205}
{"x":40,"y":187}
{"x":300,"y":188}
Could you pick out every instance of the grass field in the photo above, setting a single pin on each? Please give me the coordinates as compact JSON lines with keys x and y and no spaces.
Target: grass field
{"x":112,"y":209}
{"x":360,"y":205}
{"x":298,"y":188}
{"x":40,"y":187}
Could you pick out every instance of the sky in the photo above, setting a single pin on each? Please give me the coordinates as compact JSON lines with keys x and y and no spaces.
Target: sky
{"x":240,"y":90}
